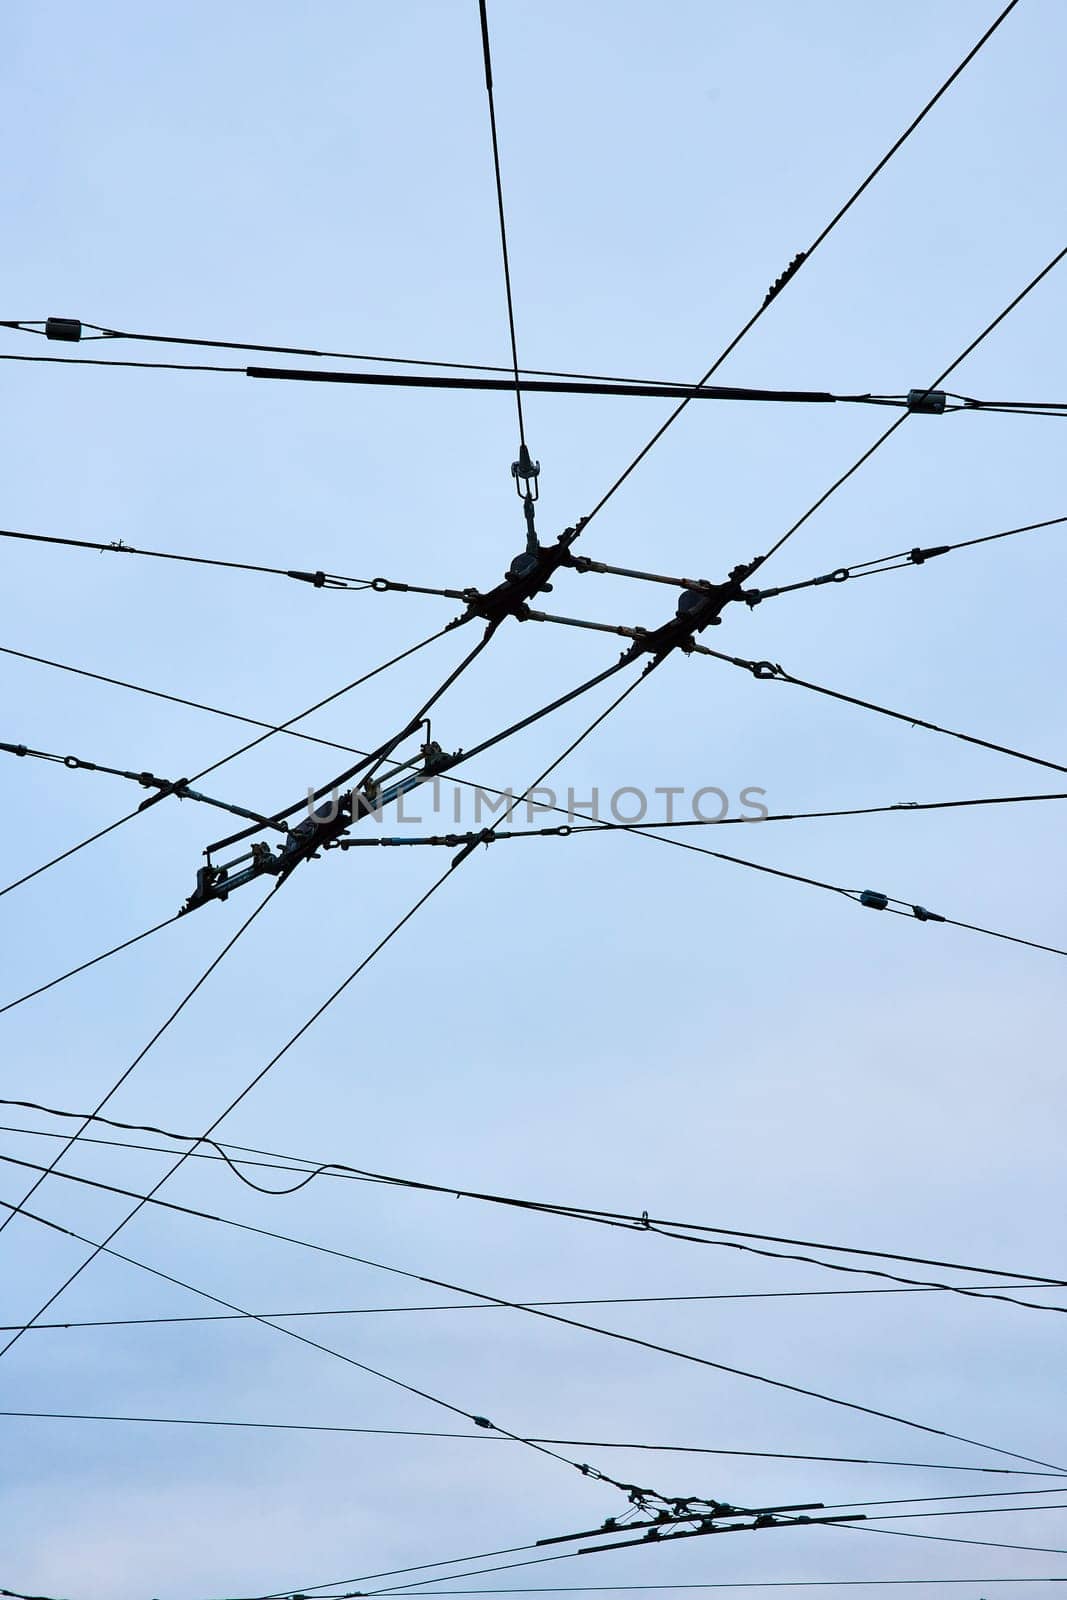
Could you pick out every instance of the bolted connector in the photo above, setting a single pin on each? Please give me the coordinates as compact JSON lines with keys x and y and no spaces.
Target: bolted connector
{"x":874,"y":900}
{"x":68,"y":328}
{"x":932,"y":401}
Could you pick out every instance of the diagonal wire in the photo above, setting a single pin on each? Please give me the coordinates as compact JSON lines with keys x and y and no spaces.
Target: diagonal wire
{"x":160,"y":1031}
{"x":880,"y":441}
{"x":214,"y":767}
{"x":531,"y":1310}
{"x":805,"y":255}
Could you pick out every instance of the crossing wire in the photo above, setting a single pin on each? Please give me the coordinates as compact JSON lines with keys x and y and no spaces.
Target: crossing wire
{"x":105,"y":1246}
{"x":883,"y":437}
{"x":490,"y":1438}
{"x":633,"y":1221}
{"x":216,"y":765}
{"x":805,"y":255}
{"x":116,"y":1086}
{"x":530,"y":1310}
{"x":913,"y":558}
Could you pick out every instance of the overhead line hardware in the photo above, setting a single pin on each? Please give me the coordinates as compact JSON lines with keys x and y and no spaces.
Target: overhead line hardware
{"x":767,"y":671}
{"x":165,"y":786}
{"x":916,"y":557}
{"x":932,"y":402}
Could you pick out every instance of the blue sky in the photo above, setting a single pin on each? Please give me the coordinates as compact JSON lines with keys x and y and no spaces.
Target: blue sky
{"x":581,"y":1019}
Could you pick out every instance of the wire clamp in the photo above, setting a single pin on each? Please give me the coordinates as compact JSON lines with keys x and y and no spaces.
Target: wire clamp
{"x":66,"y":328}
{"x":874,"y":900}
{"x":931,"y":402}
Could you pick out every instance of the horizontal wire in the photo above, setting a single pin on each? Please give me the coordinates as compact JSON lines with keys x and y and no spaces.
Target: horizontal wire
{"x":606,"y":827}
{"x":660,"y":1588}
{"x":883,"y":437}
{"x":153,"y":1199}
{"x":330,"y":580}
{"x":599,"y":1444}
{"x":685,"y":392}
{"x":631,"y":1220}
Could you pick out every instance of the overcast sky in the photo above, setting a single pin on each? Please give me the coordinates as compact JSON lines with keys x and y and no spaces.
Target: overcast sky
{"x":596,"y":1022}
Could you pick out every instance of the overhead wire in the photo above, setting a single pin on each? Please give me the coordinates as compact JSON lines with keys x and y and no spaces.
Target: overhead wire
{"x":804,"y":256}
{"x":895,"y":562}
{"x":647,"y":1588}
{"x":634,"y":1221}
{"x":619,"y":387}
{"x":883,"y":437}
{"x":106,"y":1246}
{"x":319,"y":580}
{"x":123,"y":1076}
{"x":770,"y":671}
{"x":530,"y":1310}
{"x":216,"y":765}
{"x":912,"y":1283}
{"x":292,"y":1333}
{"x":599,"y":827}
{"x":487,"y":60}
{"x":491,"y":1438}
